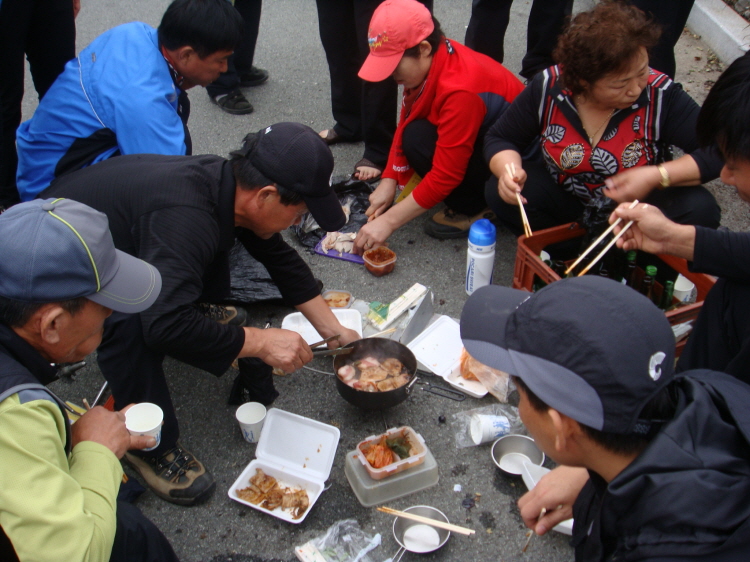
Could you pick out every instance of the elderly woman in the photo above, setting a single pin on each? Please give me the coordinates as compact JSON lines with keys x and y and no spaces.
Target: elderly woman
{"x":605,"y":123}
{"x":451,"y":97}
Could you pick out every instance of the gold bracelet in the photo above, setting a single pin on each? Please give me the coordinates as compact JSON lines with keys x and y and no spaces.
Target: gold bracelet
{"x":665,"y":182}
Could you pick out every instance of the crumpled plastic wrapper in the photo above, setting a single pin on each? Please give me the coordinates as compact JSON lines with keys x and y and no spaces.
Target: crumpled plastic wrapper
{"x":496,"y":382}
{"x":344,"y":541}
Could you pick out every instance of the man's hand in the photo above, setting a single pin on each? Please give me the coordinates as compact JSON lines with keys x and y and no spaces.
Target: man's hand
{"x":347,"y":336}
{"x":382,"y":198}
{"x":282,"y":349}
{"x":108,"y":428}
{"x":653,"y":232}
{"x":76,"y":8}
{"x":632,"y":184}
{"x":556,"y":492}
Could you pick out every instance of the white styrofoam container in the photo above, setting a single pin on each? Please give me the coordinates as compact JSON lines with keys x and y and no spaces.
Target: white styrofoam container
{"x":295,"y":450}
{"x":296,"y":322}
{"x":438,"y":348}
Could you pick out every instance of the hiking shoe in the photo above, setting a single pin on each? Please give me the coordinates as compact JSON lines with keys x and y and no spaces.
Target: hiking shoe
{"x":176,"y":476}
{"x":448,"y":224}
{"x":255,"y":77}
{"x":232,"y":315}
{"x":234,"y":102}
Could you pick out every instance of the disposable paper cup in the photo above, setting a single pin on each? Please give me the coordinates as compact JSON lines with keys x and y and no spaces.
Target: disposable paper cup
{"x":251,"y":416}
{"x":486,"y":428}
{"x":683,"y":288}
{"x":145,"y":419}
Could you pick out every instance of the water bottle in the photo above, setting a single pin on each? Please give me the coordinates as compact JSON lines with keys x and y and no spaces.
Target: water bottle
{"x":480,"y":258}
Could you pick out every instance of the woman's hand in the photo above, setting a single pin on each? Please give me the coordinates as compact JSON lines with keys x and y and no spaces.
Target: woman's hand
{"x":508,"y":186}
{"x":555,"y":492}
{"x":381,"y":199}
{"x":372,"y":235}
{"x":632,"y":184}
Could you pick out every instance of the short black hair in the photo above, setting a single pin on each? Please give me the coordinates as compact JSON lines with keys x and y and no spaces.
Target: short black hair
{"x":15,"y":313}
{"x":207,"y":26}
{"x":250,"y":178}
{"x":433,"y":39}
{"x":724,"y":119}
{"x":659,"y":409}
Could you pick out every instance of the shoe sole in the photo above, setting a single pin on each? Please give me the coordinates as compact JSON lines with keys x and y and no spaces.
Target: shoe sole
{"x":184,"y":502}
{"x":230,"y":110}
{"x":445,"y":235}
{"x":253,"y":83}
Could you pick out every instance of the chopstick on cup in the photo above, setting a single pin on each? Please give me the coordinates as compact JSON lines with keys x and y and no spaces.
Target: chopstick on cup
{"x":531,"y":536}
{"x":595,"y":242}
{"x":511,"y":169}
{"x":428,"y":521}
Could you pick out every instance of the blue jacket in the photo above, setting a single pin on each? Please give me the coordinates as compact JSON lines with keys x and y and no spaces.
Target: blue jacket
{"x":116,"y":97}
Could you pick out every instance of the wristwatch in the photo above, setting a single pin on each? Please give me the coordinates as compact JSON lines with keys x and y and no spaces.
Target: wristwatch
{"x":665,"y":182}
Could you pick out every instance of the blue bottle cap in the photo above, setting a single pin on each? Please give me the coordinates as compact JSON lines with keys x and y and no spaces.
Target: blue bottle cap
{"x":482,"y":233}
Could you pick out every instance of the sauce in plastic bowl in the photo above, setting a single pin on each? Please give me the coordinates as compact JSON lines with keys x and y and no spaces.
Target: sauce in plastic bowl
{"x":379,"y":261}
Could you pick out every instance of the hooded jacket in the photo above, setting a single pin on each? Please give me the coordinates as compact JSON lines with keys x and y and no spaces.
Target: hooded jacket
{"x":687,"y":495}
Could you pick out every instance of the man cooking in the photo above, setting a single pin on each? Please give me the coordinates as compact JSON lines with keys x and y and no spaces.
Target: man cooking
{"x":182,"y":214}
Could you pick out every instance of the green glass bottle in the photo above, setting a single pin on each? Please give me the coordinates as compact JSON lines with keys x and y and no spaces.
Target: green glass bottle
{"x":647,"y":285}
{"x":667,"y":295}
{"x":630,"y":277}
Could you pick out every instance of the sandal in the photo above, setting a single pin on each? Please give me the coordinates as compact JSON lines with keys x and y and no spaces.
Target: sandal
{"x":365,"y":163}
{"x":331,"y":137}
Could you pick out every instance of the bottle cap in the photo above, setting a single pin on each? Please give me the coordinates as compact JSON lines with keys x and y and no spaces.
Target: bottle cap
{"x":632,"y":255}
{"x":482,"y":233}
{"x":651,"y":270}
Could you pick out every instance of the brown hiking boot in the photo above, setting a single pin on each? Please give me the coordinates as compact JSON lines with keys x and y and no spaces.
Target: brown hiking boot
{"x":232,"y":315}
{"x":449,"y":224}
{"x":176,"y":476}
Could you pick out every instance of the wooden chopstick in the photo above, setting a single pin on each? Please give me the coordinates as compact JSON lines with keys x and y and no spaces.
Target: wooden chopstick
{"x":383,"y":333}
{"x":511,"y":170}
{"x":428,"y":521}
{"x":595,"y":242}
{"x":606,"y":248}
{"x":531,"y":536}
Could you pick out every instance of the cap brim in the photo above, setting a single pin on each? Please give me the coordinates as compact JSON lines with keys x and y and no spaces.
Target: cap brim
{"x":327,"y":211}
{"x":378,"y":68}
{"x":133,"y":288}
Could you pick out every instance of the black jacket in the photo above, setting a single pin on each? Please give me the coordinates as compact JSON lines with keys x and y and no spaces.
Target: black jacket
{"x":687,"y":496}
{"x":177,"y":213}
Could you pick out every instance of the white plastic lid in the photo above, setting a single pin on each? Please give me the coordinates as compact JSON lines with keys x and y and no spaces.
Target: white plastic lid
{"x":297,"y":444}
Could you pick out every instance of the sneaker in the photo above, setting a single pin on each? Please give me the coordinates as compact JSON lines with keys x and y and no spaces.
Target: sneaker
{"x":448,"y":224}
{"x":232,"y":315}
{"x":234,"y":102}
{"x":176,"y":476}
{"x":255,"y":77}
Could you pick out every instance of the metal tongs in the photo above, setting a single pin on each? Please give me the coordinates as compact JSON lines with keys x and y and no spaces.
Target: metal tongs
{"x":329,"y":352}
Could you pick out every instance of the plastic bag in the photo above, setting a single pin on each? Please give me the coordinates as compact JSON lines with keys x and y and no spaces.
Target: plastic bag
{"x":353,"y":194}
{"x":496,"y":382}
{"x":344,"y":541}
{"x":462,"y":422}
{"x":249,"y":281}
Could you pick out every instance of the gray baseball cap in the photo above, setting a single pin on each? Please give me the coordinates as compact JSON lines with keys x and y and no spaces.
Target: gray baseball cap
{"x":58,"y":249}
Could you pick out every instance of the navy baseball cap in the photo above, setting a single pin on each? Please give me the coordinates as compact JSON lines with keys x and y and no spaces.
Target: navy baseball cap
{"x":58,"y":249}
{"x":295,"y":157}
{"x":591,"y":348}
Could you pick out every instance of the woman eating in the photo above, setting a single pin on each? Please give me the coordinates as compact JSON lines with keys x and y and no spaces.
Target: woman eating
{"x":604,"y":123}
{"x":451,"y":96}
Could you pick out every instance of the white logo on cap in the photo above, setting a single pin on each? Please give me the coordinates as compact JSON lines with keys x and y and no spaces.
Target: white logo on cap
{"x":268,"y":130}
{"x":654,"y":365}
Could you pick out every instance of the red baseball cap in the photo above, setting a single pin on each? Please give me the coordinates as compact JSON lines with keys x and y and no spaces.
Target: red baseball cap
{"x":396,"y":25}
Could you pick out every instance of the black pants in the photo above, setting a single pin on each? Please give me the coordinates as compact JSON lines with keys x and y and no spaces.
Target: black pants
{"x":549,"y":205}
{"x":137,"y":539}
{"x":419,"y":141}
{"x":489,"y":21}
{"x":242,"y":59}
{"x":44,"y":31}
{"x":721,"y":335}
{"x":362,"y":110}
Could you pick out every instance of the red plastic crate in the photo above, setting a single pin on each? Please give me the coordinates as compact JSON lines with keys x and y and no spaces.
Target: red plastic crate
{"x":529,"y":265}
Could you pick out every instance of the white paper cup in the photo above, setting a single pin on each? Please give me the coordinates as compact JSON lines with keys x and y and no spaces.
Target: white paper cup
{"x":251,"y":416}
{"x":683,"y":288}
{"x":486,"y":428}
{"x":145,"y":419}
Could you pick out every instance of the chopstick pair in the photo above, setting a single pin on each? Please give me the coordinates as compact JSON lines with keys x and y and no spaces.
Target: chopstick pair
{"x":511,"y":169}
{"x":606,"y":248}
{"x":532,"y":533}
{"x":426,"y":520}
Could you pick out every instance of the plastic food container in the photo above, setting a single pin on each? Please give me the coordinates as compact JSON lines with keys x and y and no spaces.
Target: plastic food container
{"x":379,"y":261}
{"x":338,"y":299}
{"x":302,"y":462}
{"x":296,"y":322}
{"x":416,"y":442}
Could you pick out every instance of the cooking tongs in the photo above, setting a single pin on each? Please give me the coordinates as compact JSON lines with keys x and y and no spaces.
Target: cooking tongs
{"x":329,"y":352}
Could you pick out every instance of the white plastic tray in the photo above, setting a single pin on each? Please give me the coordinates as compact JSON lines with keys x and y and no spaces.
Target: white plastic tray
{"x":532,"y":474}
{"x":438,"y":349}
{"x":296,"y":322}
{"x":295,"y":450}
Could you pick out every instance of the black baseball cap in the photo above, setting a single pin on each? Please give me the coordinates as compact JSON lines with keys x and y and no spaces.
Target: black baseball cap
{"x":58,"y":249}
{"x":591,"y":348}
{"x":294,"y":156}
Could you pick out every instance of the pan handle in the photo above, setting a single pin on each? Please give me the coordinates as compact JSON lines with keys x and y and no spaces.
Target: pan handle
{"x":397,"y":557}
{"x":445,"y":392}
{"x":409,"y":386}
